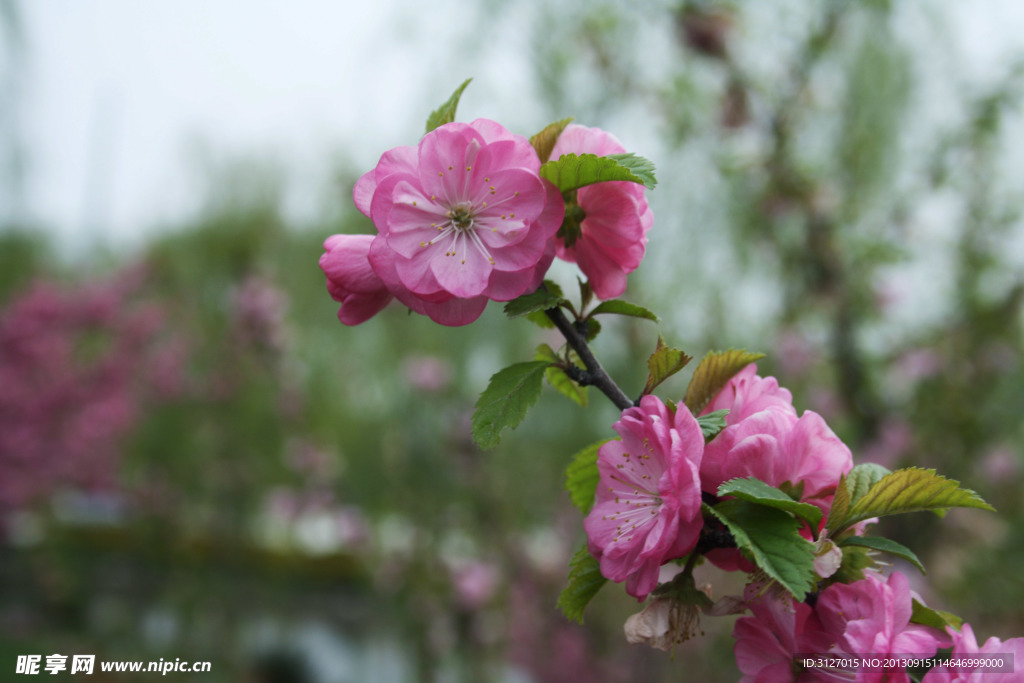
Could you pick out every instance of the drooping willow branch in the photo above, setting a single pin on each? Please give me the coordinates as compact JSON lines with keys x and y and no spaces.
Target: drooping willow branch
{"x":594,"y":375}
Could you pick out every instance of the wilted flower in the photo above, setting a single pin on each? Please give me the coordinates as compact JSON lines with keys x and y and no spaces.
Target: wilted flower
{"x":647,"y":507}
{"x":605,"y":230}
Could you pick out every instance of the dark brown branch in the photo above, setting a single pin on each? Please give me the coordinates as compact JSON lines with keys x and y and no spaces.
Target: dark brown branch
{"x":594,"y":375}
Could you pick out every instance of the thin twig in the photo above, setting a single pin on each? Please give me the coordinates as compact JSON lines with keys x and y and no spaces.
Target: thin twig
{"x":594,"y":375}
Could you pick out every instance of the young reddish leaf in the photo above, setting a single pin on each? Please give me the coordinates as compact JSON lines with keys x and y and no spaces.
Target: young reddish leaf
{"x":663,"y":363}
{"x":713,"y":373}
{"x":545,"y":140}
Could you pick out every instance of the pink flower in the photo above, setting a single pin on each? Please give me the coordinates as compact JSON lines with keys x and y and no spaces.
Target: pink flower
{"x":647,"y":507}
{"x":612,"y":218}
{"x":748,"y":393}
{"x":777,"y":448}
{"x":462,"y":218}
{"x":764,"y":439}
{"x":350,"y":279}
{"x":966,"y":645}
{"x":872,"y":617}
{"x":767,"y":643}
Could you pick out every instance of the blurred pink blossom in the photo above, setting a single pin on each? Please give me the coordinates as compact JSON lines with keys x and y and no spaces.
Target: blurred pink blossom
{"x":1001,"y":464}
{"x":475,"y":583}
{"x":77,"y":365}
{"x":429,"y":374}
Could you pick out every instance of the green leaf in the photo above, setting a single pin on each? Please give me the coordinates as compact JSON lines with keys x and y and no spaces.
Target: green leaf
{"x":559,"y":378}
{"x":585,"y":580}
{"x":912,"y":489}
{"x":713,"y":373}
{"x":572,"y":171}
{"x":662,"y":364}
{"x":541,"y":299}
{"x":757,"y":491}
{"x":641,"y":167}
{"x":926,"y":616}
{"x":772,"y":539}
{"x":581,"y":477}
{"x":586,"y":293}
{"x":884,"y":545}
{"x":506,"y":400}
{"x":852,"y":488}
{"x":593,"y":328}
{"x":446,"y":112}
{"x":563,"y":384}
{"x":539,"y":319}
{"x":712,"y":423}
{"x":545,"y":140}
{"x":621,"y":307}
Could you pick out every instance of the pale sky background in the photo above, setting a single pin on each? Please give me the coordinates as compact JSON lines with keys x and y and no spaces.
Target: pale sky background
{"x":116,"y":96}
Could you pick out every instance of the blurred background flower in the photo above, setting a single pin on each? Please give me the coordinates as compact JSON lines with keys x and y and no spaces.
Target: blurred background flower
{"x":198,"y":461}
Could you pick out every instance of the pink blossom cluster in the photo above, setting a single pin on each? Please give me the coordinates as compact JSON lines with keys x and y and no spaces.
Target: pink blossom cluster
{"x":464,"y":218}
{"x":647,"y":509}
{"x":75,"y":363}
{"x":848,"y":622}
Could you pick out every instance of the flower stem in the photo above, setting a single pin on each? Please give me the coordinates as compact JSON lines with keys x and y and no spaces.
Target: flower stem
{"x":594,"y":375}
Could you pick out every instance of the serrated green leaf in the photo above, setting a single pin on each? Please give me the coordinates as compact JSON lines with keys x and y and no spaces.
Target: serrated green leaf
{"x":446,"y":112}
{"x":620,"y":307}
{"x":772,"y":539}
{"x":852,"y":488}
{"x":504,"y":403}
{"x":912,"y":489}
{"x":581,"y":477}
{"x":642,"y":168}
{"x":544,"y":141}
{"x":572,"y":171}
{"x":593,"y":329}
{"x":712,"y":423}
{"x":540,"y":319}
{"x":885,"y":545}
{"x":713,"y":373}
{"x":757,"y":491}
{"x":545,"y":352}
{"x":541,"y":299}
{"x":585,"y":580}
{"x":662,"y":364}
{"x":563,"y":384}
{"x":926,"y":616}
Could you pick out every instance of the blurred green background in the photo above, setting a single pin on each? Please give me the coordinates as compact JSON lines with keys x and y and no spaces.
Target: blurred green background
{"x":198,"y":461}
